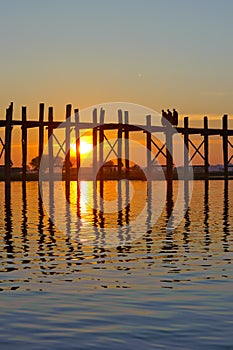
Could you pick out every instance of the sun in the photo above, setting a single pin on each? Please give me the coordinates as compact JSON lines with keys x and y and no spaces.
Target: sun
{"x":84,"y":148}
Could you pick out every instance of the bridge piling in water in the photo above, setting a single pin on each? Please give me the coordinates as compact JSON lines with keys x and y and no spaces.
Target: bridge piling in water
{"x":126,"y":129}
{"x":8,"y":134}
{"x":225,"y":144}
{"x":94,"y":142}
{"x":119,"y":144}
{"x":169,"y":152}
{"x":24,"y":143}
{"x":206,"y":147}
{"x":186,"y":148}
{"x":41,"y":130}
{"x":67,"y":143}
{"x":148,"y":146}
{"x":101,"y":151}
{"x":50,"y":144}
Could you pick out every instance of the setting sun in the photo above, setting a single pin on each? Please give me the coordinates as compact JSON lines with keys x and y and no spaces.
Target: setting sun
{"x":85,"y":148}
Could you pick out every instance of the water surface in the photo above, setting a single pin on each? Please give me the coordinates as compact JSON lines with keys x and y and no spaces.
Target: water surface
{"x":169,"y":289}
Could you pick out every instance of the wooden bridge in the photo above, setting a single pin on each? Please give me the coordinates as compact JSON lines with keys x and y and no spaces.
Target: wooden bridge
{"x":123,"y":129}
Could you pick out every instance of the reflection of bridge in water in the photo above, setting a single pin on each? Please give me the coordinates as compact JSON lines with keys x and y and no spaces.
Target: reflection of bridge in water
{"x":121,"y":149}
{"x":49,"y":243}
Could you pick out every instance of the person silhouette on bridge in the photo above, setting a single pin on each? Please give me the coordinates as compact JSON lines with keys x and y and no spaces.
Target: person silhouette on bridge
{"x":175,"y":117}
{"x":164,"y":117}
{"x":169,"y":115}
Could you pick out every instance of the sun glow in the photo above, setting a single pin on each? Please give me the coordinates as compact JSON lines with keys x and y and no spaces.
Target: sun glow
{"x":84,"y":148}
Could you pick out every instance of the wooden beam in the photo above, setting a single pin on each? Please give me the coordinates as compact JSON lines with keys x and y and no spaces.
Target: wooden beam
{"x":24,"y":143}
{"x":126,"y":129}
{"x":94,"y":144}
{"x":114,"y":126}
{"x":225,"y":144}
{"x":77,"y":136}
{"x":8,"y":134}
{"x":186,"y":148}
{"x":206,"y":147}
{"x":67,"y":142}
{"x":119,"y":144}
{"x":169,"y":151}
{"x":101,"y":160}
{"x":101,"y":143}
{"x":41,"y":130}
{"x":50,"y":145}
{"x":148,"y":146}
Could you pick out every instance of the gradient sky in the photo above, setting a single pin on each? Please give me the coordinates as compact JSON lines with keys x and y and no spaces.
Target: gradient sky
{"x":158,"y":53}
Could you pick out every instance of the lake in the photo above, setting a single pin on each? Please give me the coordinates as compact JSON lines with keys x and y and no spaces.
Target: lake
{"x":75,"y":277}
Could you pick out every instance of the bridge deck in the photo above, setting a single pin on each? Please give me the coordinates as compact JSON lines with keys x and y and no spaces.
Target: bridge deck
{"x":115,"y":126}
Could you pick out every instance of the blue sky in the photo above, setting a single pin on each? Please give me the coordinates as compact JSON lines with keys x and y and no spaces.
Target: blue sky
{"x":159,"y":53}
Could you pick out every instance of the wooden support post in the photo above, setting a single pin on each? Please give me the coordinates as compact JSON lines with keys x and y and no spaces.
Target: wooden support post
{"x":119,"y":144}
{"x":206,"y":147}
{"x":77,"y":136}
{"x":101,"y":160}
{"x":50,"y":145}
{"x":101,"y":143}
{"x":225,"y":144}
{"x":148,"y":146}
{"x":41,"y":130}
{"x":186,"y":148}
{"x":126,"y":115}
{"x":67,"y":143}
{"x":169,"y":152}
{"x":94,"y":142}
{"x":8,"y":133}
{"x":24,"y":143}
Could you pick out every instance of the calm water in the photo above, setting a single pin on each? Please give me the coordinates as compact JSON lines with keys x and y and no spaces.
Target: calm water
{"x":164,"y":290}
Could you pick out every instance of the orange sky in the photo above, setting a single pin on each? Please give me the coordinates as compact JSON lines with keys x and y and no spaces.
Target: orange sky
{"x":163,"y":54}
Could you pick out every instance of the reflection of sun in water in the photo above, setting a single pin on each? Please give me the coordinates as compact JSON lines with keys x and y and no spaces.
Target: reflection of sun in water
{"x":84,"y":148}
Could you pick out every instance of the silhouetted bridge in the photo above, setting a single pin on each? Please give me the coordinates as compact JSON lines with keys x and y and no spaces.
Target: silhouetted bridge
{"x":123,"y":129}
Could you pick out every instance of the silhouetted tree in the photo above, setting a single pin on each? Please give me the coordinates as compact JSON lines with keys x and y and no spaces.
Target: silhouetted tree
{"x":109,"y":163}
{"x":35,"y":162}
